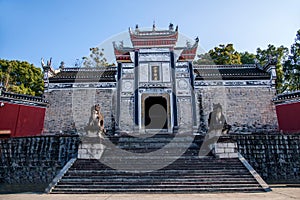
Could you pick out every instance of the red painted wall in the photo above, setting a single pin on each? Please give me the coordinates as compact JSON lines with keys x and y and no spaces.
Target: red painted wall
{"x":289,"y":117}
{"x":22,"y":120}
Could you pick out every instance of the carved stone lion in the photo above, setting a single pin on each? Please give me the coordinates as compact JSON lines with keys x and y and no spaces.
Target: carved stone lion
{"x":97,"y":119}
{"x":217,"y":121}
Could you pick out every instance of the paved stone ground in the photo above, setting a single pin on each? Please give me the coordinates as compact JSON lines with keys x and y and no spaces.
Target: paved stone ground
{"x":283,"y":193}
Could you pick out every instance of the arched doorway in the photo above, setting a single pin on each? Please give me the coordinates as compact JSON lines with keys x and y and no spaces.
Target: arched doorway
{"x":156,"y":113}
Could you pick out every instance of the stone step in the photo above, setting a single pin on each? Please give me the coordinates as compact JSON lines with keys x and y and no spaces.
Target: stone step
{"x":148,"y":180}
{"x":191,"y":152}
{"x":207,"y":160}
{"x":162,"y":172}
{"x":185,"y":173}
{"x":178,"y":165}
{"x":192,"y":169}
{"x":160,"y":185}
{"x":154,"y":190}
{"x":200,"y":178}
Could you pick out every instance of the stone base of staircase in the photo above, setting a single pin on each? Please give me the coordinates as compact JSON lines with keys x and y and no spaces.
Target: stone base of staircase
{"x":91,"y":146}
{"x":189,"y":173}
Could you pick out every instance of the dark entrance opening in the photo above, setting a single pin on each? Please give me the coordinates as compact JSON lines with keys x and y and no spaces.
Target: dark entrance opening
{"x":156,"y":116}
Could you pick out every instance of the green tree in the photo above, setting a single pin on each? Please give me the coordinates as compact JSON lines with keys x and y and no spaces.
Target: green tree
{"x":95,"y":59}
{"x":21,"y":77}
{"x":221,"y":55}
{"x":291,"y":66}
{"x":204,"y":59}
{"x":281,"y":54}
{"x":225,"y":55}
{"x":247,"y":58}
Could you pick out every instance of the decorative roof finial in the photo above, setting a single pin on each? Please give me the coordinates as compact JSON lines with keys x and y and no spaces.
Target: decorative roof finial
{"x":42,"y":62}
{"x":136,"y":28}
{"x":49,"y":62}
{"x":171,"y":27}
{"x":62,"y":65}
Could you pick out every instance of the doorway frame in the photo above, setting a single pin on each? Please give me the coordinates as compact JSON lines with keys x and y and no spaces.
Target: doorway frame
{"x":168,"y":98}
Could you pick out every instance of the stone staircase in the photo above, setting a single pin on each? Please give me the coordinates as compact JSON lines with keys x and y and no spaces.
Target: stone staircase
{"x":146,"y":169}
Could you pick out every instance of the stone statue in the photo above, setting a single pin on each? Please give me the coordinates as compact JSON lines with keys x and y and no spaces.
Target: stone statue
{"x":217,"y":126}
{"x":217,"y":121}
{"x":97,"y":119}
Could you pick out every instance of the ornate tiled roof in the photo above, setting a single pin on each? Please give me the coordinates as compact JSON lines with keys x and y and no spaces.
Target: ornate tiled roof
{"x":22,"y":99}
{"x":287,"y":97}
{"x":154,"y":38}
{"x":188,"y":53}
{"x":122,"y":53}
{"x":229,"y":72}
{"x":103,"y":74}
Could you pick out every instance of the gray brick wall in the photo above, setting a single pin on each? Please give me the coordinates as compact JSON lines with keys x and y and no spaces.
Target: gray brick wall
{"x":184,"y":110}
{"x":127,"y":114}
{"x":71,"y":109}
{"x":248,"y":107}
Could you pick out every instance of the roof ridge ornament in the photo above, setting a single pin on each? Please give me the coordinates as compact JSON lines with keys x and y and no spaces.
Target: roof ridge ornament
{"x":171,"y":27}
{"x":153,"y":26}
{"x":137,"y":28}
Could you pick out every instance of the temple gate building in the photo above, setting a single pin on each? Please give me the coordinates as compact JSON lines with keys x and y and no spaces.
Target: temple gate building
{"x":155,"y":122}
{"x":156,"y":87}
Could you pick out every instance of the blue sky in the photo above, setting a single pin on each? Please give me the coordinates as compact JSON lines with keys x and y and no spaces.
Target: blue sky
{"x":66,"y":29}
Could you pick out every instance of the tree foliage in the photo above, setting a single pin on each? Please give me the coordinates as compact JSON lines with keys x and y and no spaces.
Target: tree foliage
{"x":221,"y":55}
{"x":291,"y":67}
{"x":248,"y":58}
{"x":281,"y":54}
{"x":95,"y":59}
{"x":204,"y":59}
{"x":225,"y":55}
{"x":21,"y":77}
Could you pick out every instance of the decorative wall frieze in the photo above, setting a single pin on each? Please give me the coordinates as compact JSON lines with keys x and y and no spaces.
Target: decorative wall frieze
{"x":155,"y":85}
{"x":55,"y":86}
{"x":155,"y":90}
{"x":154,"y":56}
{"x":233,"y":83}
{"x":127,"y":94}
{"x":184,"y":99}
{"x":127,"y":65}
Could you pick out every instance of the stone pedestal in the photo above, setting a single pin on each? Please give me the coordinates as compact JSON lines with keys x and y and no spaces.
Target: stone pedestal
{"x":225,"y":149}
{"x":91,"y":146}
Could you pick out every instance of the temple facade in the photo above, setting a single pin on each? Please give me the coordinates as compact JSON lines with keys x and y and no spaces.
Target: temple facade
{"x":156,"y":87}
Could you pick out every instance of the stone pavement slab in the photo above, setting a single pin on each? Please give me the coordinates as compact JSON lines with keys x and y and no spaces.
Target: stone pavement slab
{"x":284,"y":193}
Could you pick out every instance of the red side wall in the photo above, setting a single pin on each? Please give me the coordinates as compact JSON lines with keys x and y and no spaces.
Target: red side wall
{"x":289,"y":117}
{"x":22,"y":120}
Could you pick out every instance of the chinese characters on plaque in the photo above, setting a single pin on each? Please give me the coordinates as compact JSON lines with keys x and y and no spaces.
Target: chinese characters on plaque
{"x":155,"y":73}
